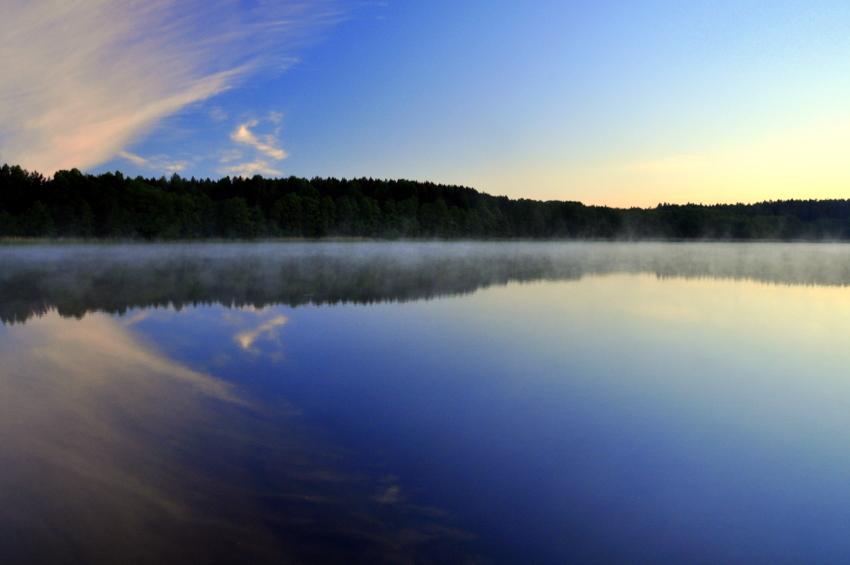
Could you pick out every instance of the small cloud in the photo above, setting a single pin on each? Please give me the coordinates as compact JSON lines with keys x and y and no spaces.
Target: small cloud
{"x":246,"y":339}
{"x":156,"y":163}
{"x":257,"y":167}
{"x":243,"y":134}
{"x":141,"y":161}
{"x":175,"y":167}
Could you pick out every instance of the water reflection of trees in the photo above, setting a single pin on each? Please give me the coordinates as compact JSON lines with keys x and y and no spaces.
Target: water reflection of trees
{"x":75,"y":280}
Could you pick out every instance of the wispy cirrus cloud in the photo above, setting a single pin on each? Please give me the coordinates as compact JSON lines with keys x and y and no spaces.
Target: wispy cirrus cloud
{"x":157,"y":163}
{"x":135,"y":159}
{"x":83,"y":79}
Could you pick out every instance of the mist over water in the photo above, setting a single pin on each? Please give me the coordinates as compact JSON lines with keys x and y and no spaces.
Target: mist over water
{"x":113,"y":278}
{"x":425,"y":403}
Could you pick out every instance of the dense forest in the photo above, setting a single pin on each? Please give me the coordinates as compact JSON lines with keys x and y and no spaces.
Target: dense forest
{"x":110,"y":205}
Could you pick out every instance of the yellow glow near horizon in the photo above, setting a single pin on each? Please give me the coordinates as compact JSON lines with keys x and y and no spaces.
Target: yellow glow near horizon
{"x":800,"y":163}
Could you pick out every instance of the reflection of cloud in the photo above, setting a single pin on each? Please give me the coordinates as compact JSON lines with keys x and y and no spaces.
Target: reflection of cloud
{"x":390,"y":495}
{"x":136,"y":318}
{"x":87,"y":418}
{"x":246,"y":339}
{"x":115,"y":453}
{"x":83,"y":79}
{"x":102,"y":347}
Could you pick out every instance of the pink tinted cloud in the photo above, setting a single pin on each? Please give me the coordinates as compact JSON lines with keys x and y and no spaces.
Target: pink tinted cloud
{"x":82,"y":79}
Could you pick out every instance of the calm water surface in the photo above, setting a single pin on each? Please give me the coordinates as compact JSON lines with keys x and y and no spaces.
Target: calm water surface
{"x":425,"y":403}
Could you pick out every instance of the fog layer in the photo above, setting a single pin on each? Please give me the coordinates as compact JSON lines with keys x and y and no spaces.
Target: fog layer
{"x":113,"y":278}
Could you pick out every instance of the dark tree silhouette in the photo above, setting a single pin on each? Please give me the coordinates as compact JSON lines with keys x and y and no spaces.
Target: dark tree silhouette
{"x":111,"y":205}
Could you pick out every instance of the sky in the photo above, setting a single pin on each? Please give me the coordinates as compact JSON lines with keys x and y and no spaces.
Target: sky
{"x":613,"y":103}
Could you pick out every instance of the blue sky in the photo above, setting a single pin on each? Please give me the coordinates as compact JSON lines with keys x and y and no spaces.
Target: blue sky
{"x":617,"y":103}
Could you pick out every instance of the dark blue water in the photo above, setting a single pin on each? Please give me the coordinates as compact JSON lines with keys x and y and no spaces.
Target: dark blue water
{"x":550,"y":404}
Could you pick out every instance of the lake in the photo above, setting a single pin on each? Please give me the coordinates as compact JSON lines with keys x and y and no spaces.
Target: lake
{"x":469,"y":403}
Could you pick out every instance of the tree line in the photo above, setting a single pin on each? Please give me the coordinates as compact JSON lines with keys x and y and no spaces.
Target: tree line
{"x":111,"y":205}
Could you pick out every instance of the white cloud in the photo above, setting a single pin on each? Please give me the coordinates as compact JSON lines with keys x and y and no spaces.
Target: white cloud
{"x":246,"y":136}
{"x":266,"y":146}
{"x":83,"y":79}
{"x":157,"y":163}
{"x":258,"y":167}
{"x":176,"y":167}
{"x":141,"y":161}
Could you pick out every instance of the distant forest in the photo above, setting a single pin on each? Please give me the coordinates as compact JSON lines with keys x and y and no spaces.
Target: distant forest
{"x":112,"y":206}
